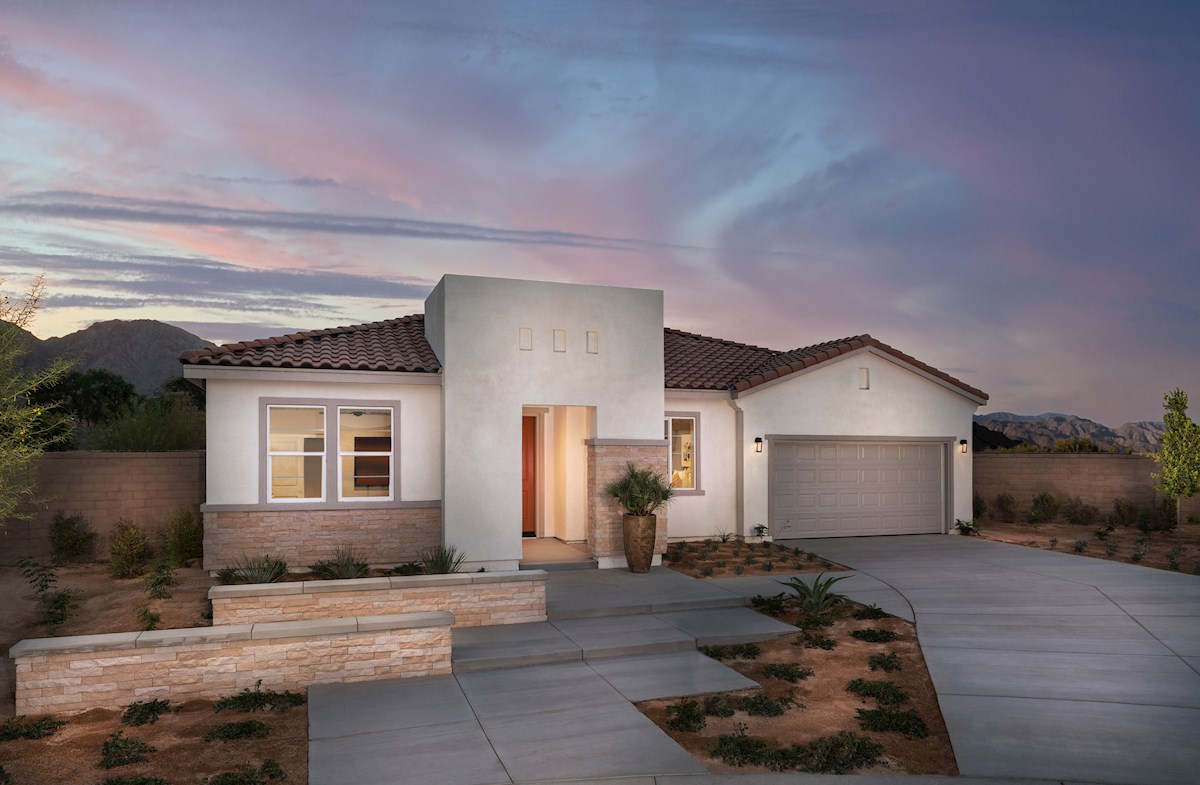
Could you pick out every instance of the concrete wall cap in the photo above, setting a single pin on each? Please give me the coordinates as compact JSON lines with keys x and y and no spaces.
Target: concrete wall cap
{"x":304,"y":628}
{"x":352,"y":584}
{"x":417,"y":581}
{"x":404,"y":621}
{"x":501,"y":576}
{"x":180,"y":637}
{"x":71,"y":643}
{"x":255,"y":590}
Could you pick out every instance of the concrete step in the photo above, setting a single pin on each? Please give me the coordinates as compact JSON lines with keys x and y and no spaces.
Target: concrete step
{"x":558,"y":566}
{"x":563,"y":611}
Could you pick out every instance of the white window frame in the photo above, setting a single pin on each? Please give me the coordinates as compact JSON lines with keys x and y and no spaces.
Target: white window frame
{"x":668,"y":417}
{"x":390,"y":454}
{"x":272,"y":455}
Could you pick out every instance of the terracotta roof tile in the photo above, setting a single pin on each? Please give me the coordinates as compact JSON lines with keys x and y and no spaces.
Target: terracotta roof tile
{"x":391,"y":345}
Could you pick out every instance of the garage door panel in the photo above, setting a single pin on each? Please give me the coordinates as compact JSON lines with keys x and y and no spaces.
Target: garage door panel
{"x":836,"y":489}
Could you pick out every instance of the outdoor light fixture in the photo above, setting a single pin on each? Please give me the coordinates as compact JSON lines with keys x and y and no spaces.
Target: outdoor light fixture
{"x":758,"y":444}
{"x":962,"y":446}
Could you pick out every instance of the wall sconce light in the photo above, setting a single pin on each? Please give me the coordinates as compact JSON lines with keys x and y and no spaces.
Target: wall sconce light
{"x":962,"y":446}
{"x":758,"y":444}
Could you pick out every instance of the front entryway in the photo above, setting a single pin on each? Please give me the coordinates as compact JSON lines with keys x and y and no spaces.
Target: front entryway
{"x":528,"y":476}
{"x":852,"y":488}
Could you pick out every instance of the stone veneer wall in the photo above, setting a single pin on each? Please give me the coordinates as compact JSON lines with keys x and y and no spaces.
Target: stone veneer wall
{"x":605,"y":463}
{"x":390,"y":535}
{"x":475,"y":599}
{"x":145,"y":487}
{"x":73,"y":674}
{"x":1096,"y":478}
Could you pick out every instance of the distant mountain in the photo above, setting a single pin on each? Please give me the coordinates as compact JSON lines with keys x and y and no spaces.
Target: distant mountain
{"x":983,"y":438}
{"x":144,"y":351}
{"x":1046,"y":429}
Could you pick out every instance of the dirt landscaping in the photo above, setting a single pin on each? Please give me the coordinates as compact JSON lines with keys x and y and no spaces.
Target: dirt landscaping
{"x":1178,"y":550}
{"x":818,"y":705}
{"x":735,"y":558}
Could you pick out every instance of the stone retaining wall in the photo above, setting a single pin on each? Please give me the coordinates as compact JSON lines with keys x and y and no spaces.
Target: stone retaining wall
{"x":387,"y":535}
{"x":73,"y":674}
{"x":475,"y":599}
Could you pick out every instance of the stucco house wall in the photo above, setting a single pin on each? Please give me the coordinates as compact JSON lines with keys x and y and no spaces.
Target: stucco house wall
{"x":714,"y":508}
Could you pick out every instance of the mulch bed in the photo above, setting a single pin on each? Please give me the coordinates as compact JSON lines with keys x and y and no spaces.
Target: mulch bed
{"x":735,"y":558}
{"x":1177,"y":550}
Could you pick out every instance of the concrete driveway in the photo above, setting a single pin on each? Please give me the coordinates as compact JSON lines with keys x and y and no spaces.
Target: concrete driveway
{"x":1049,"y":665}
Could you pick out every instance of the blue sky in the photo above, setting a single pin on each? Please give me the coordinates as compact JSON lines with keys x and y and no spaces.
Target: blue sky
{"x":1007,"y":191}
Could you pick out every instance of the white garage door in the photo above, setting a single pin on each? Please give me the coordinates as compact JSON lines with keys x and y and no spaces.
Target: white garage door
{"x":847,"y":489}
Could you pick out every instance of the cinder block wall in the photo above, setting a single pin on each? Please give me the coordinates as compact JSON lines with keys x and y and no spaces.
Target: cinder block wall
{"x":1096,"y":478}
{"x":145,"y":487}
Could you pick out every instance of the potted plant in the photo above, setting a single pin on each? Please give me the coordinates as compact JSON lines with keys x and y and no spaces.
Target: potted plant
{"x":641,"y":493}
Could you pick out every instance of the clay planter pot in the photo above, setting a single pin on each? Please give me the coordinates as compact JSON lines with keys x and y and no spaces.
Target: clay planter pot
{"x":639,"y":531}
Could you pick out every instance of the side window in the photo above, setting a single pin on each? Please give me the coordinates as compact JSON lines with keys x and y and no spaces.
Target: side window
{"x":680,"y":433}
{"x":295,"y":453}
{"x":365,"y":457}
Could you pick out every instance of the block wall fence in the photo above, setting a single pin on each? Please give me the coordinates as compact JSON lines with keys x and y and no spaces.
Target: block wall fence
{"x":145,"y":487}
{"x":1096,"y":478}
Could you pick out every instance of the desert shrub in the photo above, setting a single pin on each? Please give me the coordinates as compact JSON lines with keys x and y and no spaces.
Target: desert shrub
{"x":718,"y":706}
{"x":344,"y":564}
{"x":738,"y":569}
{"x":871,"y":635}
{"x":772,"y":606}
{"x":1196,"y":567}
{"x":738,"y":749}
{"x":121,"y":750}
{"x":814,"y":641}
{"x":1076,"y":444}
{"x":786,"y":671}
{"x":1172,"y":556}
{"x":26,"y":727}
{"x":1053,"y":543}
{"x":160,"y":581}
{"x":243,"y":729}
{"x":1110,"y":549}
{"x":841,"y":753}
{"x":1124,"y":512}
{"x":1006,"y":507}
{"x":736,"y":651}
{"x":129,"y":550}
{"x":870,"y":612}
{"x":408,"y":568}
{"x":966,"y":528}
{"x":888,"y":663}
{"x":184,"y":538}
{"x":254,"y":569}
{"x":886,"y":693}
{"x":762,"y":706}
{"x":55,"y":606}
{"x":134,"y":779}
{"x":5,"y":777}
{"x":1105,"y":530}
{"x":1080,"y":546}
{"x":687,"y":716}
{"x":442,"y":560}
{"x":248,"y":775}
{"x":1044,"y":509}
{"x":160,"y":424}
{"x":888,"y":719}
{"x":706,"y":571}
{"x":979,"y":507}
{"x":148,"y":618}
{"x":1075,"y":511}
{"x":40,"y":577}
{"x":259,"y":699}
{"x":143,"y":712}
{"x":1157,"y":518}
{"x":72,"y":539}
{"x":818,"y":596}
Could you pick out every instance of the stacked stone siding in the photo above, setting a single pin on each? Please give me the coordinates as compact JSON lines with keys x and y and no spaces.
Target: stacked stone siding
{"x":1095,"y":478}
{"x":302,"y":537}
{"x":476,"y":600}
{"x":605,"y":463}
{"x":104,"y":487}
{"x":70,"y":675}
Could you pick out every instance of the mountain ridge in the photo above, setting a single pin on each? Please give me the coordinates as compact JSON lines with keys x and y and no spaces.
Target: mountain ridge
{"x":1047,"y":428}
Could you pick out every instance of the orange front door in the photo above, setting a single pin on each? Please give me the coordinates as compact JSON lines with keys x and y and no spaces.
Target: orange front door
{"x":528,"y":476}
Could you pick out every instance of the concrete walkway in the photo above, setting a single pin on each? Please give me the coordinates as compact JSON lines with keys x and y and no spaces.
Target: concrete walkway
{"x":1049,"y":668}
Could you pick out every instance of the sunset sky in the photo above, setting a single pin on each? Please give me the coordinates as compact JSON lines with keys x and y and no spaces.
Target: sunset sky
{"x":1009,"y":191}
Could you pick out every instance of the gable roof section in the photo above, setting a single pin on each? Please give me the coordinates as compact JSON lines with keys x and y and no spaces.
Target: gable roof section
{"x":390,"y":345}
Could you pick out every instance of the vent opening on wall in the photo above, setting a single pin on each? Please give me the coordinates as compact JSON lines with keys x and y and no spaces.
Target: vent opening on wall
{"x":864,"y":378}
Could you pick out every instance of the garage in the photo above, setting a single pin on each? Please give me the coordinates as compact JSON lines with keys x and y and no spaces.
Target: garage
{"x":845,"y":488}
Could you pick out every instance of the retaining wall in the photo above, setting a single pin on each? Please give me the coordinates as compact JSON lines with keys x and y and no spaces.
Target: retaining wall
{"x":1096,"y":478}
{"x":145,"y":487}
{"x":73,"y":674}
{"x":475,"y":599}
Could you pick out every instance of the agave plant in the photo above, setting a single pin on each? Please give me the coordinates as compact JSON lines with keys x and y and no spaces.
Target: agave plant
{"x":442,"y":560}
{"x":254,"y":569}
{"x":640,"y":492}
{"x":344,"y":564}
{"x":818,"y":597}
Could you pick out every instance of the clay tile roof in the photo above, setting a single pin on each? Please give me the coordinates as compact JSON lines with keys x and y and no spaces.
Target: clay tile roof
{"x":390,"y":345}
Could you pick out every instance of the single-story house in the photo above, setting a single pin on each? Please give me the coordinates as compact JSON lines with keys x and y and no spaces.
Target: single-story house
{"x":502,"y":411}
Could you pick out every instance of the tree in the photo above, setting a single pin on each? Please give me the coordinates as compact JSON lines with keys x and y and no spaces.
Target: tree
{"x":92,"y":397}
{"x":1179,"y":457}
{"x":26,"y":428}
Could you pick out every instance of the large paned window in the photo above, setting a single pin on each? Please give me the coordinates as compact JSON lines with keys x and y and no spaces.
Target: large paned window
{"x":364,"y":453}
{"x":296,"y":453}
{"x":680,"y":433}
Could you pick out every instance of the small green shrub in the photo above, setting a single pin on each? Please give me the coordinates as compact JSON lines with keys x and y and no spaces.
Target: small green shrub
{"x":738,"y":749}
{"x":1157,"y":518}
{"x":184,"y":538}
{"x":1104,"y":531}
{"x":871,"y":635}
{"x":1006,"y":507}
{"x":243,"y":729}
{"x":1196,"y":567}
{"x":40,"y":577}
{"x":134,"y":779}
{"x":706,"y":572}
{"x":27,"y":727}
{"x":148,"y":618}
{"x":1053,"y":543}
{"x":966,"y":528}
{"x":1172,"y":556}
{"x":979,"y":507}
{"x":818,"y":596}
{"x":1110,"y":548}
{"x":408,"y":568}
{"x":738,"y":569}
{"x":721,"y":564}
{"x":248,"y":775}
{"x":1080,"y":546}
{"x":160,"y":581}
{"x":888,"y":719}
{"x":813,"y":641}
{"x":442,"y":560}
{"x":718,"y":706}
{"x":72,"y":539}
{"x":687,"y":716}
{"x":254,"y":569}
{"x":888,"y":663}
{"x":57,"y":607}
{"x":786,"y":671}
{"x":886,"y":693}
{"x":762,"y":706}
{"x":870,"y":612}
{"x":345,"y":564}
{"x":737,"y":651}
{"x":1075,"y":512}
{"x":1044,"y":509}
{"x":1125,"y":512}
{"x":121,"y":750}
{"x":259,"y":699}
{"x":5,"y":777}
{"x":129,"y":550}
{"x":772,"y":606}
{"x":841,"y":753}
{"x":143,"y":712}
{"x":1138,"y":554}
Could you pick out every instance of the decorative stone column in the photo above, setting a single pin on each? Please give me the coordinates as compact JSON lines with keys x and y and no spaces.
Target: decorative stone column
{"x":606,"y":461}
